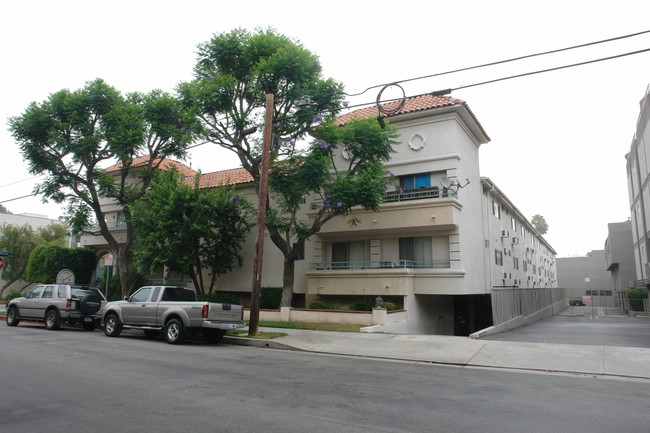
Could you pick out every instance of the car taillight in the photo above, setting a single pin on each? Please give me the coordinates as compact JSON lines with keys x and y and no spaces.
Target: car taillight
{"x":68,"y":305}
{"x":204,"y":311}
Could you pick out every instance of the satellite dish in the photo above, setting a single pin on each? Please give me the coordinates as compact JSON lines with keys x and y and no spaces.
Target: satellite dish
{"x":446,"y":182}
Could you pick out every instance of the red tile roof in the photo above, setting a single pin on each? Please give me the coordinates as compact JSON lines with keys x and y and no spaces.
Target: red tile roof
{"x":411,"y":105}
{"x":141,"y":161}
{"x":234,"y":176}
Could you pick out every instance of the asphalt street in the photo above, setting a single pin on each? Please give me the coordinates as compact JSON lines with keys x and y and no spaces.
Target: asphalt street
{"x":74,"y":381}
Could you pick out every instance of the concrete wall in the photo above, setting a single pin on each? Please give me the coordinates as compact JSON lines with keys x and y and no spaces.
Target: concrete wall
{"x":579,"y":274}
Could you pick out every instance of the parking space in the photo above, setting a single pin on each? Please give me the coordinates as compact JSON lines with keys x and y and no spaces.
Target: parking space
{"x":589,"y":329}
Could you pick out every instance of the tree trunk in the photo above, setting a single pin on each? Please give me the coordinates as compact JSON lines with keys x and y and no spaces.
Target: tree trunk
{"x":287,"y":280}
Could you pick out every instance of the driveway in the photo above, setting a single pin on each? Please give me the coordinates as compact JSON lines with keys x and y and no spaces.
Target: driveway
{"x":589,"y":329}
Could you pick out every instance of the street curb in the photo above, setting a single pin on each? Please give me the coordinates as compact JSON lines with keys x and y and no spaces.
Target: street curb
{"x":255,"y":342}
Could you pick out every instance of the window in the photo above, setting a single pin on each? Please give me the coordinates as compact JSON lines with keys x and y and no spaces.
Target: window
{"x":299,"y":250}
{"x":47,"y":293}
{"x":525,"y":266}
{"x":61,"y":292}
{"x":513,"y":224}
{"x":36,"y":292}
{"x":343,"y":253}
{"x":416,"y":252}
{"x":415,"y":181}
{"x":515,"y":262}
{"x":141,"y":295}
{"x":496,"y":210}
{"x":498,"y":257}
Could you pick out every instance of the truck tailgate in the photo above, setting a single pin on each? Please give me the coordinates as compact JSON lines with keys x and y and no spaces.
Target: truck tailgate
{"x":225,"y":312}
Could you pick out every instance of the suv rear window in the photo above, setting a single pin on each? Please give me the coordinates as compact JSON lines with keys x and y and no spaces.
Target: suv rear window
{"x":80,"y":292}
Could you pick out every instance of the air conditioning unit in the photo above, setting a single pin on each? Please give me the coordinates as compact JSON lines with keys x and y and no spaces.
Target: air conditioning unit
{"x":505,"y":234}
{"x":515,"y":241}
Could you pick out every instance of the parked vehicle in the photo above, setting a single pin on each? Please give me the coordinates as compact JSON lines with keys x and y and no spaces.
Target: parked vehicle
{"x":54,"y":304}
{"x":173,"y":311}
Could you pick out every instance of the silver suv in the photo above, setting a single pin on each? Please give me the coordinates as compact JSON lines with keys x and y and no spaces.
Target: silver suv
{"x":54,"y":304}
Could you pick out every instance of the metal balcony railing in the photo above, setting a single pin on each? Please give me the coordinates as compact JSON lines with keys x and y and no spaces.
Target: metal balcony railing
{"x":380,"y":264}
{"x":110,"y":224}
{"x":413,"y":194}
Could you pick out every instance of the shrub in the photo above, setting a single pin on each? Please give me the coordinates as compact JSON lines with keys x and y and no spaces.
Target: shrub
{"x":317,"y":304}
{"x":219,"y":297}
{"x":271,"y":298}
{"x":11,"y":295}
{"x":636,"y":297}
{"x":390,"y":306}
{"x":363,"y":305}
{"x":47,"y":260}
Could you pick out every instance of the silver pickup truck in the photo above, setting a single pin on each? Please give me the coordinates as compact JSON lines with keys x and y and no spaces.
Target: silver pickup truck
{"x":174,"y":311}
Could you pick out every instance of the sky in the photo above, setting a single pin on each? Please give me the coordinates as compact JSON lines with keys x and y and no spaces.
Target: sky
{"x":558,"y":139}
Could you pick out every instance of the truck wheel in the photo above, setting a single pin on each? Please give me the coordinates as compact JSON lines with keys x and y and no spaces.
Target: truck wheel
{"x":174,"y":333}
{"x":12,"y":317}
{"x":88,"y":326}
{"x":213,"y":336}
{"x":52,"y":319}
{"x":112,"y":326}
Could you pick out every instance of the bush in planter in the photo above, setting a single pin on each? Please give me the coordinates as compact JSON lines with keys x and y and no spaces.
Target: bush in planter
{"x":390,"y":306}
{"x":363,"y":305}
{"x":322,"y":305}
{"x":636,"y":297}
{"x":270,"y":298}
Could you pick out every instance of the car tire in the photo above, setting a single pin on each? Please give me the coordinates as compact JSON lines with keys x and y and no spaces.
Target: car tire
{"x":88,"y":326}
{"x":213,"y":336}
{"x":112,"y":325}
{"x":52,"y":319}
{"x":174,"y":332}
{"x":12,"y":316}
{"x":151,"y":333}
{"x":90,"y":304}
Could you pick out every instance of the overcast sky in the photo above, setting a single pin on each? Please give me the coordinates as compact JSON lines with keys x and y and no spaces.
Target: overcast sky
{"x":559,"y":139}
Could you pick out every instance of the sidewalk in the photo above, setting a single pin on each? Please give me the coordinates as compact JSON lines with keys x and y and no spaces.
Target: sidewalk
{"x":630,"y":362}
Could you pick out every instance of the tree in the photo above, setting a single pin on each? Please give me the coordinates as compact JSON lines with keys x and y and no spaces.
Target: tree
{"x":178,"y":226}
{"x":71,"y":135}
{"x":539,"y":223}
{"x":233,"y":74}
{"x":21,"y":241}
{"x":362,"y":182}
{"x":3,"y":209}
{"x":48,"y":259}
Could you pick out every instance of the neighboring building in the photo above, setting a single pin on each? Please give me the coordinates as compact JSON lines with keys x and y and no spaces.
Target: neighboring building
{"x":638,"y":177}
{"x":586,"y":278}
{"x":438,"y":246}
{"x":619,"y":254}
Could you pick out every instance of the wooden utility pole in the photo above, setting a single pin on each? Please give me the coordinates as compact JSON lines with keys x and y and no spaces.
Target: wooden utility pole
{"x":262,"y":194}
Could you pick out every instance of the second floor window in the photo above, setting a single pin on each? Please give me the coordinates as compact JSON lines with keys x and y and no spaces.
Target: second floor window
{"x":417,"y":250}
{"x":345,"y":252}
{"x":415,"y":181}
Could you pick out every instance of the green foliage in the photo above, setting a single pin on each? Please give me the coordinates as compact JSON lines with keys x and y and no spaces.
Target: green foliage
{"x":636,"y":297}
{"x":21,"y":241}
{"x":390,"y":306}
{"x":72,"y":134}
{"x":47,"y":260}
{"x":362,"y":305}
{"x":322,"y":305}
{"x":3,"y":209}
{"x":219,"y":297}
{"x":270,"y":298}
{"x":539,"y":222}
{"x":11,"y":295}
{"x":185,"y":229}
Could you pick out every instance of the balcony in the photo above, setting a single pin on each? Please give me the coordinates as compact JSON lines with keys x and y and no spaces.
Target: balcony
{"x":379,"y":264}
{"x":424,"y":209}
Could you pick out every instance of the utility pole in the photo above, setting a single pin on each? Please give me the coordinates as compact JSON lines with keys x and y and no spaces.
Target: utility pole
{"x":262,"y":194}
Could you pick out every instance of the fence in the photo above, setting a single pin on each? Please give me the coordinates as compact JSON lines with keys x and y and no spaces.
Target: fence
{"x":510,"y":303}
{"x":637,"y":305}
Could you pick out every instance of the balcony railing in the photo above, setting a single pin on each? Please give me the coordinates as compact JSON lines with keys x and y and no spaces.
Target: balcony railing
{"x":412,"y":194}
{"x":380,"y":264}
{"x":110,"y":224}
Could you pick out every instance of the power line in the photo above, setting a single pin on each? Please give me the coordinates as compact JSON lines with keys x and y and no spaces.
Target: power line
{"x":499,"y":62}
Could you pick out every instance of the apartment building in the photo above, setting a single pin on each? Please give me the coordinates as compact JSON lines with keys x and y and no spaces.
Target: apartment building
{"x":444,"y":238}
{"x":638,"y":181}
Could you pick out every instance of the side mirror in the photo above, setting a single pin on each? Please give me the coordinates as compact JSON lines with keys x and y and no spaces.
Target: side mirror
{"x":127,"y":298}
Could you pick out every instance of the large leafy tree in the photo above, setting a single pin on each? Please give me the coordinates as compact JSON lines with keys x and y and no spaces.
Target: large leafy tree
{"x":73,"y":134}
{"x":21,"y":241}
{"x":186,"y":229}
{"x":361,"y":181}
{"x":540,"y":224}
{"x":234,"y":73}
